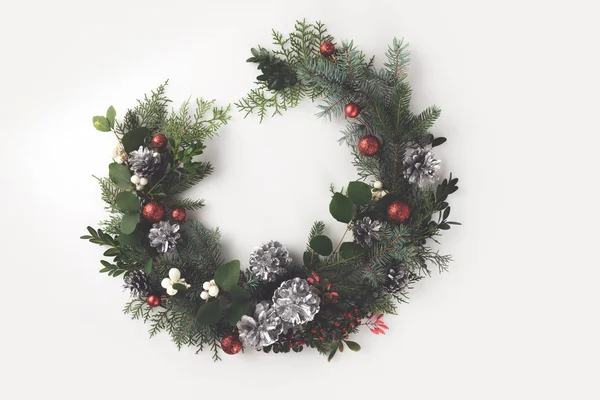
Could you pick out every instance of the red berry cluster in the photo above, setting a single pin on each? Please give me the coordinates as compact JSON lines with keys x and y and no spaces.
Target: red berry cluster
{"x":324,"y":287}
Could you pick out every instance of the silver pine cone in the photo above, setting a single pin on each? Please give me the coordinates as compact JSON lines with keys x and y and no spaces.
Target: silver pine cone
{"x":261,"y":330}
{"x":269,"y":260}
{"x":138,"y":283}
{"x":420,"y":166}
{"x":144,"y":162}
{"x":399,"y":279}
{"x":295,"y":302}
{"x":164,"y":236}
{"x":365,"y":231}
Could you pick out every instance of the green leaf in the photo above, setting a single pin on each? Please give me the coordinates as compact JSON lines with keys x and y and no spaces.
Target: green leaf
{"x":307,"y":258}
{"x":129,"y":222}
{"x":148,"y":266}
{"x":341,"y":208}
{"x":133,"y":239}
{"x":128,"y":203}
{"x":438,"y":141}
{"x":239,"y":293}
{"x":101,"y":123}
{"x":180,"y":287}
{"x":111,"y":113}
{"x":227,"y":275}
{"x":332,"y":354}
{"x":120,"y":175}
{"x":359,"y":193}
{"x":352,"y":345}
{"x":135,"y":138}
{"x":209,"y":313}
{"x":350,"y":249}
{"x":322,"y":245}
{"x":237,"y":310}
{"x":112,"y":252}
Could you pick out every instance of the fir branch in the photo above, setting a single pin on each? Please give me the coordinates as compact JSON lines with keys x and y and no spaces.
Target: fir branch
{"x":185,"y":203}
{"x":109,"y":192}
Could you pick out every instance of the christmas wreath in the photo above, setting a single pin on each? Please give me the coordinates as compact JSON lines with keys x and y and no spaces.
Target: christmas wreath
{"x":172,"y":265}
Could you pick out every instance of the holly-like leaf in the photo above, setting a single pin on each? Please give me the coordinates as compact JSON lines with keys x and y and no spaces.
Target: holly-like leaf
{"x":120,"y":175}
{"x":352,"y":345}
{"x":129,"y":222}
{"x":322,"y":245}
{"x":239,"y":293}
{"x":135,"y":138}
{"x":128,"y":203}
{"x":359,"y":193}
{"x":111,"y":113}
{"x":227,"y":275}
{"x":101,"y":123}
{"x":179,"y":287}
{"x":209,"y":313}
{"x":351,"y":249}
{"x":148,"y":266}
{"x":341,"y":208}
{"x":237,"y":310}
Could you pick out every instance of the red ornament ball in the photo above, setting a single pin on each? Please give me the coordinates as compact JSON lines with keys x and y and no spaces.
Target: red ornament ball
{"x":231,"y":344}
{"x":159,"y":141}
{"x":368,"y":145}
{"x":351,"y":110}
{"x":327,"y":49}
{"x":153,"y":300}
{"x":178,"y":215}
{"x":398,"y":212}
{"x":153,"y":212}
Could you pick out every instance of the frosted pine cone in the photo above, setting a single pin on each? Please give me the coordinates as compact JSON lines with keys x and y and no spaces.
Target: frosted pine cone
{"x":269,"y":260}
{"x":164,"y":236}
{"x":262,"y":330}
{"x":365,"y":231}
{"x":420,"y":166}
{"x":399,"y":279}
{"x":295,"y":302}
{"x":138,"y":283}
{"x":144,"y":162}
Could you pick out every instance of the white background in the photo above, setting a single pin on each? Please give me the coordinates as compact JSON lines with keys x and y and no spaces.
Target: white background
{"x":517,"y":316}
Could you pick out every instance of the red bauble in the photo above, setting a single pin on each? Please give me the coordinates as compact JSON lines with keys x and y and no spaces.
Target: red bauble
{"x":231,"y":344}
{"x":398,"y":212}
{"x":368,"y":145}
{"x":153,"y":211}
{"x":178,"y":215}
{"x":153,"y":300}
{"x":351,"y":110}
{"x":159,"y":141}
{"x":327,"y":49}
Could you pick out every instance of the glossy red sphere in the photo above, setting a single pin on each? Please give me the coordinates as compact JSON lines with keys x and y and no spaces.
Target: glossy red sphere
{"x":368,"y":145}
{"x":153,"y":212}
{"x":153,"y":300}
{"x":351,"y":110}
{"x":231,"y":344}
{"x":178,"y":215}
{"x":327,"y":49}
{"x":159,"y":141}
{"x":398,"y":212}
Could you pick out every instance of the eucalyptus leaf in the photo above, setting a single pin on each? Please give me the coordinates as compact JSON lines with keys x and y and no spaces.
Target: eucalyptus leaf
{"x":135,"y":138}
{"x":120,"y":175}
{"x":239,"y":293}
{"x":322,"y":245}
{"x":350,"y":249}
{"x":359,"y":193}
{"x":237,"y":310}
{"x":133,"y":239}
{"x":227,"y":275}
{"x":129,"y":223}
{"x":352,"y":345}
{"x":111,"y":113}
{"x":101,"y":123}
{"x":148,"y":266}
{"x":341,"y":208}
{"x":209,"y":313}
{"x":128,"y":203}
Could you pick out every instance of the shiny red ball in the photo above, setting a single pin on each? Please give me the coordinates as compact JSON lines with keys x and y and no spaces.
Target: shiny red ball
{"x":368,"y":145}
{"x":398,"y":212}
{"x":153,"y":300}
{"x":351,"y":110}
{"x":231,"y":344}
{"x":153,"y":212}
{"x":178,"y":214}
{"x":327,"y":49}
{"x":159,"y":141}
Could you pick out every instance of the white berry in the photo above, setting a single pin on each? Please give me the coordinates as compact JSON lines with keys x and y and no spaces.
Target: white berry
{"x":166,"y":283}
{"x":171,"y":291}
{"x":206,"y":285}
{"x":135,"y":179}
{"x":204,"y":295}
{"x":139,"y":187}
{"x":377,"y":185}
{"x":174,"y":274}
{"x":143,"y":181}
{"x":213,"y":291}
